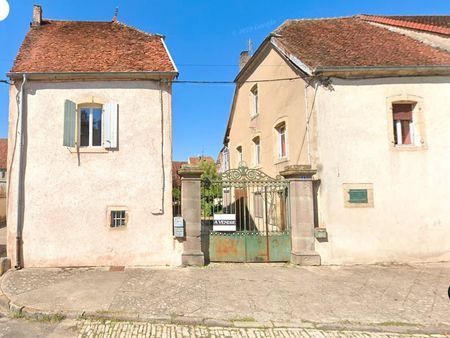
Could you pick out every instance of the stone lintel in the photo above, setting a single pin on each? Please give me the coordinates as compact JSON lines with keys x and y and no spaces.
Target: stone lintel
{"x":190,"y":171}
{"x":298,"y":171}
{"x":306,"y":258}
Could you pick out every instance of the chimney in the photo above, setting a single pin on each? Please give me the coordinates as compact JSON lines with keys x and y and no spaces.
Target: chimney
{"x":243,"y":59}
{"x":37,"y":16}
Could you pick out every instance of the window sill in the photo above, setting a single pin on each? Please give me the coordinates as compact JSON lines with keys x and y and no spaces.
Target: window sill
{"x":281,"y":160}
{"x":252,"y":117}
{"x":409,"y":147}
{"x":88,"y":150}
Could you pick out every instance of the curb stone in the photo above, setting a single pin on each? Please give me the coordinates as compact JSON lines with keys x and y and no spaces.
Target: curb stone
{"x":210,"y":322}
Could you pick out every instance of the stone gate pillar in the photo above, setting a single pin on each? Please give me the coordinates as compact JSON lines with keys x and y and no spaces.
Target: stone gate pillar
{"x":191,"y":213}
{"x":302,"y":214}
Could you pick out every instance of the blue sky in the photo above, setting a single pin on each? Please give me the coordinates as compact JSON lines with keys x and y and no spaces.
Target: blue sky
{"x":205,"y":38}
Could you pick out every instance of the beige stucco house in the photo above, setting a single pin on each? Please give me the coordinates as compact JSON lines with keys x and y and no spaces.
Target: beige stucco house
{"x":90,"y":147}
{"x":365,"y":101}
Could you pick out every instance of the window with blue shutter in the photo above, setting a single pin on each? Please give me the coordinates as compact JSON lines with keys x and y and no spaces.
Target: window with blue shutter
{"x":358,"y":196}
{"x":70,"y":120}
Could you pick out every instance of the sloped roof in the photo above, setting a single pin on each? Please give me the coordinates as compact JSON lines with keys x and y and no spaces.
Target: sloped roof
{"x":196,"y":159}
{"x":3,"y":152}
{"x":353,"y":42}
{"x":87,"y":46}
{"x":439,"y":24}
{"x":176,"y":179}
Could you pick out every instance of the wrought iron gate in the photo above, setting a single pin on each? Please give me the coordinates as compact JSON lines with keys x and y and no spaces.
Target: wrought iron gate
{"x":260,"y":204}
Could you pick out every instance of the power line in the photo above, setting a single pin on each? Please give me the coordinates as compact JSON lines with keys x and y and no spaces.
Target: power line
{"x":233,"y":82}
{"x":207,"y":82}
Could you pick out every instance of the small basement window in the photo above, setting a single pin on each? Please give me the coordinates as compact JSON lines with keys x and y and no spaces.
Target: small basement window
{"x":117,"y":217}
{"x":358,"y":196}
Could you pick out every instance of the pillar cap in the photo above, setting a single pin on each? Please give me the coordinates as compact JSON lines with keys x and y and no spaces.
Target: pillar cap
{"x":298,"y":171}
{"x":190,"y":171}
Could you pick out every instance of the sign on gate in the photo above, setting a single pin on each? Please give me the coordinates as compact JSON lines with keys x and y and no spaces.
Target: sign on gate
{"x":224,"y":222}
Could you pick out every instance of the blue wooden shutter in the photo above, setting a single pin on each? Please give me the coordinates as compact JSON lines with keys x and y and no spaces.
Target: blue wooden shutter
{"x":70,"y":118}
{"x":110,"y":125}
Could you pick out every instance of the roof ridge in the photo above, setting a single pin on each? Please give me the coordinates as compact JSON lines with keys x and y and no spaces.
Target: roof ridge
{"x":138,"y":30}
{"x":395,"y":21}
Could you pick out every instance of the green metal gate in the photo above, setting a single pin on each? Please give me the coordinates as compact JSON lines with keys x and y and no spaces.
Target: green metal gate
{"x":260,"y":205}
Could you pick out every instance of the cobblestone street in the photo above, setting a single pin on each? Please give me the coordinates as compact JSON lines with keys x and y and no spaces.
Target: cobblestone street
{"x":123,"y":329}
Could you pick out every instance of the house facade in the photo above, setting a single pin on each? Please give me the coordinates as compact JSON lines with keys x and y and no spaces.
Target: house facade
{"x":363,"y":101}
{"x":90,"y":140}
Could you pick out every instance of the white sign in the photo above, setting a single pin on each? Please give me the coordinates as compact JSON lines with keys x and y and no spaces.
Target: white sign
{"x":178,"y":227}
{"x":224,"y":222}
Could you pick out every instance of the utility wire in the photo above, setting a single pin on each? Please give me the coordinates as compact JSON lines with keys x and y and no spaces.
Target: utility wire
{"x":218,"y":82}
{"x":235,"y":82}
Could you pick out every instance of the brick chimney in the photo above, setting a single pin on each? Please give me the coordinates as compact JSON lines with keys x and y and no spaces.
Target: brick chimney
{"x":37,"y":16}
{"x":243,"y":59}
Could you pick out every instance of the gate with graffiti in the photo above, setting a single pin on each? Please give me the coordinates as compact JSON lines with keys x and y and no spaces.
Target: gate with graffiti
{"x":246,"y":216}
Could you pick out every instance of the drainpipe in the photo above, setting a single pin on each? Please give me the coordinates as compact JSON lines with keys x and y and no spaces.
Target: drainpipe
{"x":19,"y":222}
{"x":160,"y":211}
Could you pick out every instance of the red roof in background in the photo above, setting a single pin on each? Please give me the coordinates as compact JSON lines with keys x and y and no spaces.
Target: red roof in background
{"x":86,"y":46}
{"x":439,"y":24}
{"x":196,"y":159}
{"x":176,"y":179}
{"x":3,"y":153}
{"x":353,"y":42}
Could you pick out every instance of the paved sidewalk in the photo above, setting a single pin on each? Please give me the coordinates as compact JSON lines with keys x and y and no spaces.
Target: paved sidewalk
{"x":397,"y":297}
{"x":138,"y":330}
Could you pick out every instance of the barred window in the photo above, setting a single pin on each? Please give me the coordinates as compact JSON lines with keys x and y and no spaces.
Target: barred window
{"x":118,"y":218}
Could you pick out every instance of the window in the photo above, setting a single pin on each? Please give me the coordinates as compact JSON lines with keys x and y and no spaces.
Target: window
{"x":256,"y":151}
{"x":259,"y":204}
{"x":90,"y":126}
{"x":254,"y":101}
{"x":358,"y":195}
{"x":117,"y":217}
{"x":239,"y":155}
{"x":226,"y":160}
{"x":281,"y":139}
{"x":403,"y":123}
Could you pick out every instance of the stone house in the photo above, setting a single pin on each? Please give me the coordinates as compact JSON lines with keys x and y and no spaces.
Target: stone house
{"x":90,"y":140}
{"x":364,"y":101}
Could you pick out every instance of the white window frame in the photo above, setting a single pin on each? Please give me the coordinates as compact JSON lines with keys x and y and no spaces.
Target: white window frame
{"x":257,"y":151}
{"x":226,"y":160}
{"x":398,"y":127}
{"x":254,"y":101}
{"x":278,"y":128}
{"x":91,"y":108}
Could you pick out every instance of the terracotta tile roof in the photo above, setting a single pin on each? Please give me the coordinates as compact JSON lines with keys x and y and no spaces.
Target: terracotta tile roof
{"x":176,"y":179}
{"x":439,"y":24}
{"x":353,"y":42}
{"x":86,"y":46}
{"x":196,"y":159}
{"x":3,"y":152}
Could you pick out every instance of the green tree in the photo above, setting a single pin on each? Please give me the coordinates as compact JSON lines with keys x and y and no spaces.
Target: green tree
{"x":211,"y":190}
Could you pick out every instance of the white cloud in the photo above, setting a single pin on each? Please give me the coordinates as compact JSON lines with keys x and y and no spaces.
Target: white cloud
{"x":4,"y":9}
